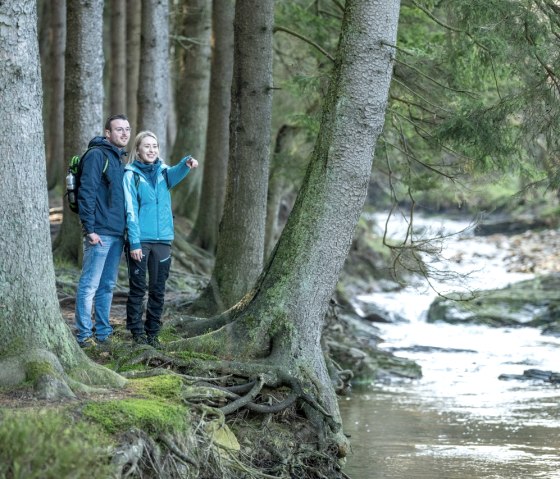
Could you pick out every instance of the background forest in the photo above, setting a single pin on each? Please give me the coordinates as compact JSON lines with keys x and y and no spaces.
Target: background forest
{"x":301,"y":114}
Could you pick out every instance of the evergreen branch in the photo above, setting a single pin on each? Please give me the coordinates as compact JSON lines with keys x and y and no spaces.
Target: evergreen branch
{"x":430,"y":135}
{"x":495,"y":79}
{"x":435,"y":19}
{"x":551,"y":74}
{"x":449,"y":27}
{"x":416,"y":160}
{"x":414,"y":104}
{"x":329,"y":14}
{"x":415,"y":93}
{"x":426,"y":134}
{"x":433,"y":80}
{"x":339,"y":5}
{"x":305,"y":39}
{"x":396,"y":47}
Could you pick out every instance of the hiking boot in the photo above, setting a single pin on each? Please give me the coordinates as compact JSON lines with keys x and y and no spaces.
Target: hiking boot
{"x":87,"y":343}
{"x":153,"y":341}
{"x":139,"y":339}
{"x":104,"y":342}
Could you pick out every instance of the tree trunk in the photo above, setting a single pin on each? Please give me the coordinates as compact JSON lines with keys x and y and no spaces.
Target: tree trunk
{"x":205,"y":230}
{"x":286,"y":173}
{"x":52,"y":38}
{"x":153,"y":88}
{"x":117,"y":93}
{"x":133,"y":26}
{"x":240,"y":249}
{"x":193,"y":79}
{"x":284,"y":319}
{"x":83,"y":100}
{"x":55,"y":123}
{"x":35,"y":343}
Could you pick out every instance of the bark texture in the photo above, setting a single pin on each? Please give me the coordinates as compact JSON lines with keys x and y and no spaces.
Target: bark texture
{"x":35,"y":342}
{"x":205,"y":230}
{"x":55,"y":82}
{"x":117,"y":93}
{"x":283,"y":320}
{"x":192,"y":87}
{"x":133,"y":26}
{"x":83,"y":100}
{"x":153,"y":88}
{"x":240,"y":250}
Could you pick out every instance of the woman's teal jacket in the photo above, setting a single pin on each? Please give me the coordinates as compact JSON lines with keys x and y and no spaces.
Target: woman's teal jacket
{"x":148,"y":207}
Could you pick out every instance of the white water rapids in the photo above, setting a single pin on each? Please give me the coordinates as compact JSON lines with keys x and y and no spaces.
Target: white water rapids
{"x":458,"y":421}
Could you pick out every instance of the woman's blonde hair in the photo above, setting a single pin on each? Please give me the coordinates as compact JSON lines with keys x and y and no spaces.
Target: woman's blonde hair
{"x":139,"y":137}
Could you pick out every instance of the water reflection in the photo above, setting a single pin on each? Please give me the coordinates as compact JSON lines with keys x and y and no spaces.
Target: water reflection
{"x":399,"y":439}
{"x":458,"y":421}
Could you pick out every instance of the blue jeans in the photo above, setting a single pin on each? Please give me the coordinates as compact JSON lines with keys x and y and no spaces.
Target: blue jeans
{"x":99,"y":277}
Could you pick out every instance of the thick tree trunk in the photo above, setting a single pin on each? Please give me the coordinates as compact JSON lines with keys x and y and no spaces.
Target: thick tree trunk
{"x":83,"y":100}
{"x":284,"y":319}
{"x":35,"y":343}
{"x":133,"y":26}
{"x":153,"y":88}
{"x":117,"y":93}
{"x":240,"y":250}
{"x":192,"y":87}
{"x":205,"y":230}
{"x":52,"y":40}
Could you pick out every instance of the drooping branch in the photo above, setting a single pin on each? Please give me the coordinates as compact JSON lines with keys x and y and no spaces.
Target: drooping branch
{"x":306,"y":40}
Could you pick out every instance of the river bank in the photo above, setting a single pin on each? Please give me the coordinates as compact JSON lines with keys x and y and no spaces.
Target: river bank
{"x":460,"y":419}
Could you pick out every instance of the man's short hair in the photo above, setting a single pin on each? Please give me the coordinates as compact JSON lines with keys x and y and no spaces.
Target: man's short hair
{"x":114,"y":117}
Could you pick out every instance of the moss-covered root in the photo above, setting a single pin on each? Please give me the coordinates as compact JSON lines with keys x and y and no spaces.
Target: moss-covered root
{"x":41,"y":370}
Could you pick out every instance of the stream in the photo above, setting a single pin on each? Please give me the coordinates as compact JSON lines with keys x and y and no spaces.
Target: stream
{"x":458,"y":421}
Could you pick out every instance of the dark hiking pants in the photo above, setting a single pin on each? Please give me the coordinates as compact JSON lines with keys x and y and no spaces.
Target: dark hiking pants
{"x":156,"y":262}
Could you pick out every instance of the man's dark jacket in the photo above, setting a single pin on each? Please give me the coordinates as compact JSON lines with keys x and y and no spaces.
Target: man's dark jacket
{"x":100,"y":195}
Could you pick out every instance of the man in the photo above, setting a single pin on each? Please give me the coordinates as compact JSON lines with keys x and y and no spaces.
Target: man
{"x":102,"y":214}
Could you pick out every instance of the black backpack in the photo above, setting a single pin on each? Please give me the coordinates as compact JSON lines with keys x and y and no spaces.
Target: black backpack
{"x":73,"y":179}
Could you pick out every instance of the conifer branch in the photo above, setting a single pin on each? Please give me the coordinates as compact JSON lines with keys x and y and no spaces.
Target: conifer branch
{"x":339,"y":5}
{"x":433,"y":80}
{"x":415,"y":93}
{"x":416,"y":105}
{"x":412,"y":157}
{"x":305,"y":39}
{"x":449,"y":27}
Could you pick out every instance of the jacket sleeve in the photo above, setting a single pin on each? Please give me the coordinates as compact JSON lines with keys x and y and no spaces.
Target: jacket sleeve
{"x":132,"y":209}
{"x":90,"y":182}
{"x":177,"y":173}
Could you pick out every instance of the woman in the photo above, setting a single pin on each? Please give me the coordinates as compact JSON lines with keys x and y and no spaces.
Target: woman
{"x":147,"y":183}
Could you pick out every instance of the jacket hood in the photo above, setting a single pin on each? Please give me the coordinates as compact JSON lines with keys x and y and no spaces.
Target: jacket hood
{"x":101,"y":142}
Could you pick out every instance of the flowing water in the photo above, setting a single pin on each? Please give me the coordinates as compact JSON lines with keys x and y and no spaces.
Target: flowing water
{"x":458,"y":421}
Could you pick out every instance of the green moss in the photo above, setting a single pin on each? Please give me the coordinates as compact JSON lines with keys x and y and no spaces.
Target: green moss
{"x":151,"y":415}
{"x":165,"y":386}
{"x":16,"y":346}
{"x":210,"y":343}
{"x":50,"y":445}
{"x":168,"y":334}
{"x":35,"y":369}
{"x":188,"y":355}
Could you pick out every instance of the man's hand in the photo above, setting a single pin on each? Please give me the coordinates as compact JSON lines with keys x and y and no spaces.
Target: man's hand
{"x":192,"y":163}
{"x":94,"y":238}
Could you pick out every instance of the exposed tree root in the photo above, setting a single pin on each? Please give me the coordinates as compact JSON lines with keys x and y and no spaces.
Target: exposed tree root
{"x":175,"y":450}
{"x":43,"y":371}
{"x":257,"y":375}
